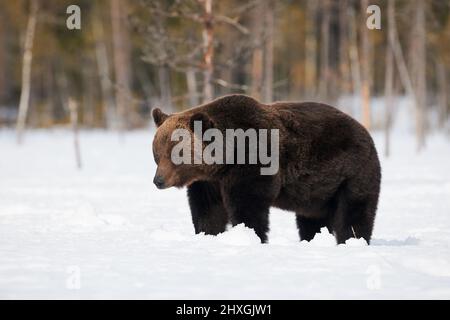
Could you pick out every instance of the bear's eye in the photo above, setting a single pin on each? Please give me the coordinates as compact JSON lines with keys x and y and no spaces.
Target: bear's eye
{"x":155,"y":156}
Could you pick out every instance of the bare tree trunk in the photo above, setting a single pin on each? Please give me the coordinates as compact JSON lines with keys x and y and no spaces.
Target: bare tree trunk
{"x":343,"y":47}
{"x":103,"y":68}
{"x":48,"y":115}
{"x":365,"y":74}
{"x":257,"y":55}
{"x":403,"y":72}
{"x":443,"y":95}
{"x":192,"y":87}
{"x":121,"y":61}
{"x":324,"y":49}
{"x":165,"y":87}
{"x":87,"y":94}
{"x":420,"y":68}
{"x":3,"y":71}
{"x":389,"y":81}
{"x":311,"y":49}
{"x":146,"y":85}
{"x":26,"y":70}
{"x":354,"y":54}
{"x":257,"y":73}
{"x":73,"y":108}
{"x":267,"y":93}
{"x":63,"y":90}
{"x":208,"y":52}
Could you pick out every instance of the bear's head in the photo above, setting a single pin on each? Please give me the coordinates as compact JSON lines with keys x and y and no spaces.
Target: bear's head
{"x":168,"y":173}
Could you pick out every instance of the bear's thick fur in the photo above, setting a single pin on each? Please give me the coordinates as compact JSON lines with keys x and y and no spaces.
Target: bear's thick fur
{"x":329,"y":172}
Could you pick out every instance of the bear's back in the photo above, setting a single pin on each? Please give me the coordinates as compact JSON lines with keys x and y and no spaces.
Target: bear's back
{"x":318,"y":135}
{"x":318,"y":120}
{"x":237,"y":111}
{"x":300,"y":123}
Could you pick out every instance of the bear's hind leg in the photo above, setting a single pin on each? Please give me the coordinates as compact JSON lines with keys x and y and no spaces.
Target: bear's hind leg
{"x":363,"y":224}
{"x":340,"y":219}
{"x":353,"y":217}
{"x":208,"y":213}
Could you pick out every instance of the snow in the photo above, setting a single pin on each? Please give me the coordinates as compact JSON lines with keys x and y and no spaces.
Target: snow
{"x":107,"y":232}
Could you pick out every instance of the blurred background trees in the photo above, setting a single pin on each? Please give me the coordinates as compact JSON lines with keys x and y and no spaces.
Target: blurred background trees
{"x":130,"y":56}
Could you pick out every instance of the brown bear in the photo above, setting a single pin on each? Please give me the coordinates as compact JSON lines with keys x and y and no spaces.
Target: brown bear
{"x":329,"y":173}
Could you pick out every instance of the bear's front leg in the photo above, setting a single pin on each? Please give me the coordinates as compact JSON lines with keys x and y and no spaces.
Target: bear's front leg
{"x":249,"y":202}
{"x":208,"y":213}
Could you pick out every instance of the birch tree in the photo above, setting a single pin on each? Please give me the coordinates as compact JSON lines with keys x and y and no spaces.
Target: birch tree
{"x":311,"y":49}
{"x":3,"y":82}
{"x":389,"y":78}
{"x":365,"y":68}
{"x":26,"y":70}
{"x":324,"y":49}
{"x":121,"y":61}
{"x":208,"y":51}
{"x":104,"y":74}
{"x":344,"y":70}
{"x":355,"y":67}
{"x":420,"y":71}
{"x":269,"y":25}
{"x":73,"y":110}
{"x":257,"y":25}
{"x":442,"y":92}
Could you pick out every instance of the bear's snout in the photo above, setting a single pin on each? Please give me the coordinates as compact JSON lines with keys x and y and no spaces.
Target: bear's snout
{"x":159,"y":182}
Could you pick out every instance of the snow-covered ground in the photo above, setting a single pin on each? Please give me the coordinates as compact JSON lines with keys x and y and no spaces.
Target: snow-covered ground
{"x":107,"y":232}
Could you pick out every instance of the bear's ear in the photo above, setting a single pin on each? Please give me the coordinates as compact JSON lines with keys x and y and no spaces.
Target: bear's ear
{"x":159,"y":117}
{"x":206,"y":121}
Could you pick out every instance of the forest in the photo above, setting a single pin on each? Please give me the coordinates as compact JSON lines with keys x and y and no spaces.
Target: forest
{"x":130,"y":56}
